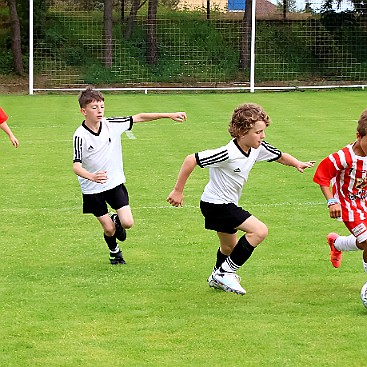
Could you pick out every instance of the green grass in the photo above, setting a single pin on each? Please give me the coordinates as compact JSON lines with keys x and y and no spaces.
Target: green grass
{"x":62,"y":304}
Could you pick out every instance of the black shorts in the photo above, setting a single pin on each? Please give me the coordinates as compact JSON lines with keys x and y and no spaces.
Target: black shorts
{"x":223,"y":217}
{"x":97,"y":203}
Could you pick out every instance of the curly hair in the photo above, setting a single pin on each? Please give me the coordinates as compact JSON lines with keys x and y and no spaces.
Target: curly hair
{"x":89,"y":95}
{"x":362,"y":124}
{"x":244,"y":118}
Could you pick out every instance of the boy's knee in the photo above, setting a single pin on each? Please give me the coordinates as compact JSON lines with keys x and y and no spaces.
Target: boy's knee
{"x":362,"y":245}
{"x":259,"y":235}
{"x":128,"y":224}
{"x":109,"y":230}
{"x":262,"y":232}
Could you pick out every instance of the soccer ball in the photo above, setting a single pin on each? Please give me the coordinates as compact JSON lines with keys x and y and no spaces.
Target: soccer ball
{"x":364,"y":294}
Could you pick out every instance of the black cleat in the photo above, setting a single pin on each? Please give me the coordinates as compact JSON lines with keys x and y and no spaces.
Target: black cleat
{"x":117,"y":258}
{"x":120,"y":231}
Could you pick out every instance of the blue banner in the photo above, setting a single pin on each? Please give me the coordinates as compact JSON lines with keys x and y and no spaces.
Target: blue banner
{"x":236,"y":5}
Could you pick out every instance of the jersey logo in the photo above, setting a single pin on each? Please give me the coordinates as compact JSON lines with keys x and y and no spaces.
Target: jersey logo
{"x":90,"y":147}
{"x":237,"y":170}
{"x":361,"y":183}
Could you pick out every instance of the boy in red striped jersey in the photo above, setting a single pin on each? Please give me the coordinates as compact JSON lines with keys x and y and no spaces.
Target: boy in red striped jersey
{"x":5,"y":127}
{"x":346,"y":171}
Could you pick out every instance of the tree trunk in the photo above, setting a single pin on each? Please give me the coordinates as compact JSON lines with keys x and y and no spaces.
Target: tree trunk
{"x":107,"y":34}
{"x":16,"y":38}
{"x":244,"y":62}
{"x":152,"y":33}
{"x":284,"y":9}
{"x":122,"y":11}
{"x":131,"y":19}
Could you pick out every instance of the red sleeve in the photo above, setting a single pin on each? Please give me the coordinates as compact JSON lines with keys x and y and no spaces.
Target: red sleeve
{"x":325,"y":172}
{"x":3,"y":116}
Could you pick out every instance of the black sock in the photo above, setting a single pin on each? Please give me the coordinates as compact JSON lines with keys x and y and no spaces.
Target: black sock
{"x":111,"y":242}
{"x":240,"y":254}
{"x":221,"y":258}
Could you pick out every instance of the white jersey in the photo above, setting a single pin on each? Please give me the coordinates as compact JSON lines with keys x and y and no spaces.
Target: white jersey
{"x":229,"y":167}
{"x":101,"y":151}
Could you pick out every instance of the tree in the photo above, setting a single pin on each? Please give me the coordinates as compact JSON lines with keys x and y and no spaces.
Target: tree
{"x":107,"y":33}
{"x":308,"y":7}
{"x":359,"y":5}
{"x":287,"y":6}
{"x":245,"y":44}
{"x":152,"y":32}
{"x":16,"y":46}
{"x":122,"y":11}
{"x":135,"y":6}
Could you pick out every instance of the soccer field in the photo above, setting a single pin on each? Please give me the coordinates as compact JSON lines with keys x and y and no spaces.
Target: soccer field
{"x":63,"y":304}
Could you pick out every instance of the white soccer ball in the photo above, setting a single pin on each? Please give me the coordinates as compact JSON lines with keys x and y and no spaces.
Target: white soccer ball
{"x":364,"y":294}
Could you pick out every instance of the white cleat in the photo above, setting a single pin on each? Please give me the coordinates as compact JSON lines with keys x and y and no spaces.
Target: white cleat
{"x":211,"y":282}
{"x":229,"y":282}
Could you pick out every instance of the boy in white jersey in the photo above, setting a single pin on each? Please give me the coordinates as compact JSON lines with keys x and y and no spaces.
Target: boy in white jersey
{"x":346,"y":171}
{"x":98,"y":164}
{"x":229,"y":167}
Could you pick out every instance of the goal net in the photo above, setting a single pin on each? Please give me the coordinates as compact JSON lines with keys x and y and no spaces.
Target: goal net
{"x":293,"y":47}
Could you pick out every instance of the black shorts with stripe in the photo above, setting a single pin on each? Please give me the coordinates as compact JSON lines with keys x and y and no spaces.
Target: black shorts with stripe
{"x":223,"y":217}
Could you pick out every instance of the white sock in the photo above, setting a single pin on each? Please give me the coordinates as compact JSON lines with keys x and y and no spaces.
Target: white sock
{"x":346,"y":243}
{"x":115,"y":251}
{"x":229,"y":266}
{"x":364,"y":266}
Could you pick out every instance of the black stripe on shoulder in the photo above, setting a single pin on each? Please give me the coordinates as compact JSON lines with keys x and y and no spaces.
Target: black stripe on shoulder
{"x":215,"y":158}
{"x":198,"y":161}
{"x":118,"y":120}
{"x":271,"y":149}
{"x":78,"y":143}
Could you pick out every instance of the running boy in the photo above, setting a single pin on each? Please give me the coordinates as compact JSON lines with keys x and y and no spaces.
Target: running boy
{"x":99,"y":167}
{"x":346,"y":171}
{"x":4,"y":126}
{"x":229,"y":167}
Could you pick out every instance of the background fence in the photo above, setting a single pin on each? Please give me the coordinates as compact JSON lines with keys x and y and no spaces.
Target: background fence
{"x":304,"y":49}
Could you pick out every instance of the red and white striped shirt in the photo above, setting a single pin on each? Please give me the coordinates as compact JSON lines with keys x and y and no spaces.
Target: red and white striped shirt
{"x":3,"y":116}
{"x":347,"y":173}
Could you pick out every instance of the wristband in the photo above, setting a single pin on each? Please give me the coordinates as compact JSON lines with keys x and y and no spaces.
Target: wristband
{"x":331,"y":202}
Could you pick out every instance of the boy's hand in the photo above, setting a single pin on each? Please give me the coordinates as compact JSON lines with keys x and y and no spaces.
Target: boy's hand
{"x":14,"y":141}
{"x":303,"y":165}
{"x":175,"y":198}
{"x":100,"y":177}
{"x":179,"y":116}
{"x":335,"y":211}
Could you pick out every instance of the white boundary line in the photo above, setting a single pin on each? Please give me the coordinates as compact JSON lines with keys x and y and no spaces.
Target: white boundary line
{"x":159,"y":207}
{"x":130,"y":134}
{"x":198,"y":89}
{"x":308,"y":203}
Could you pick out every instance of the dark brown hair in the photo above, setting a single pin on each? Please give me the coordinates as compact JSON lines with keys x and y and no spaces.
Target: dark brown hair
{"x":88,"y":96}
{"x":362,"y":124}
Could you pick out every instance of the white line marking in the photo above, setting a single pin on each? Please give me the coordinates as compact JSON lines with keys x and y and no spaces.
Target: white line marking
{"x":77,"y":207}
{"x":130,"y":135}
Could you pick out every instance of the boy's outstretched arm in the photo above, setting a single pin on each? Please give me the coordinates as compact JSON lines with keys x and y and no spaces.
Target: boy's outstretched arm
{"x":150,"y":116}
{"x":4,"y":126}
{"x":289,"y":160}
{"x":175,"y":198}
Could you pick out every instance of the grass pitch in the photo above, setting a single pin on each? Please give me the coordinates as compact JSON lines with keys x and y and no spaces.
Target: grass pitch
{"x":63,"y":304}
